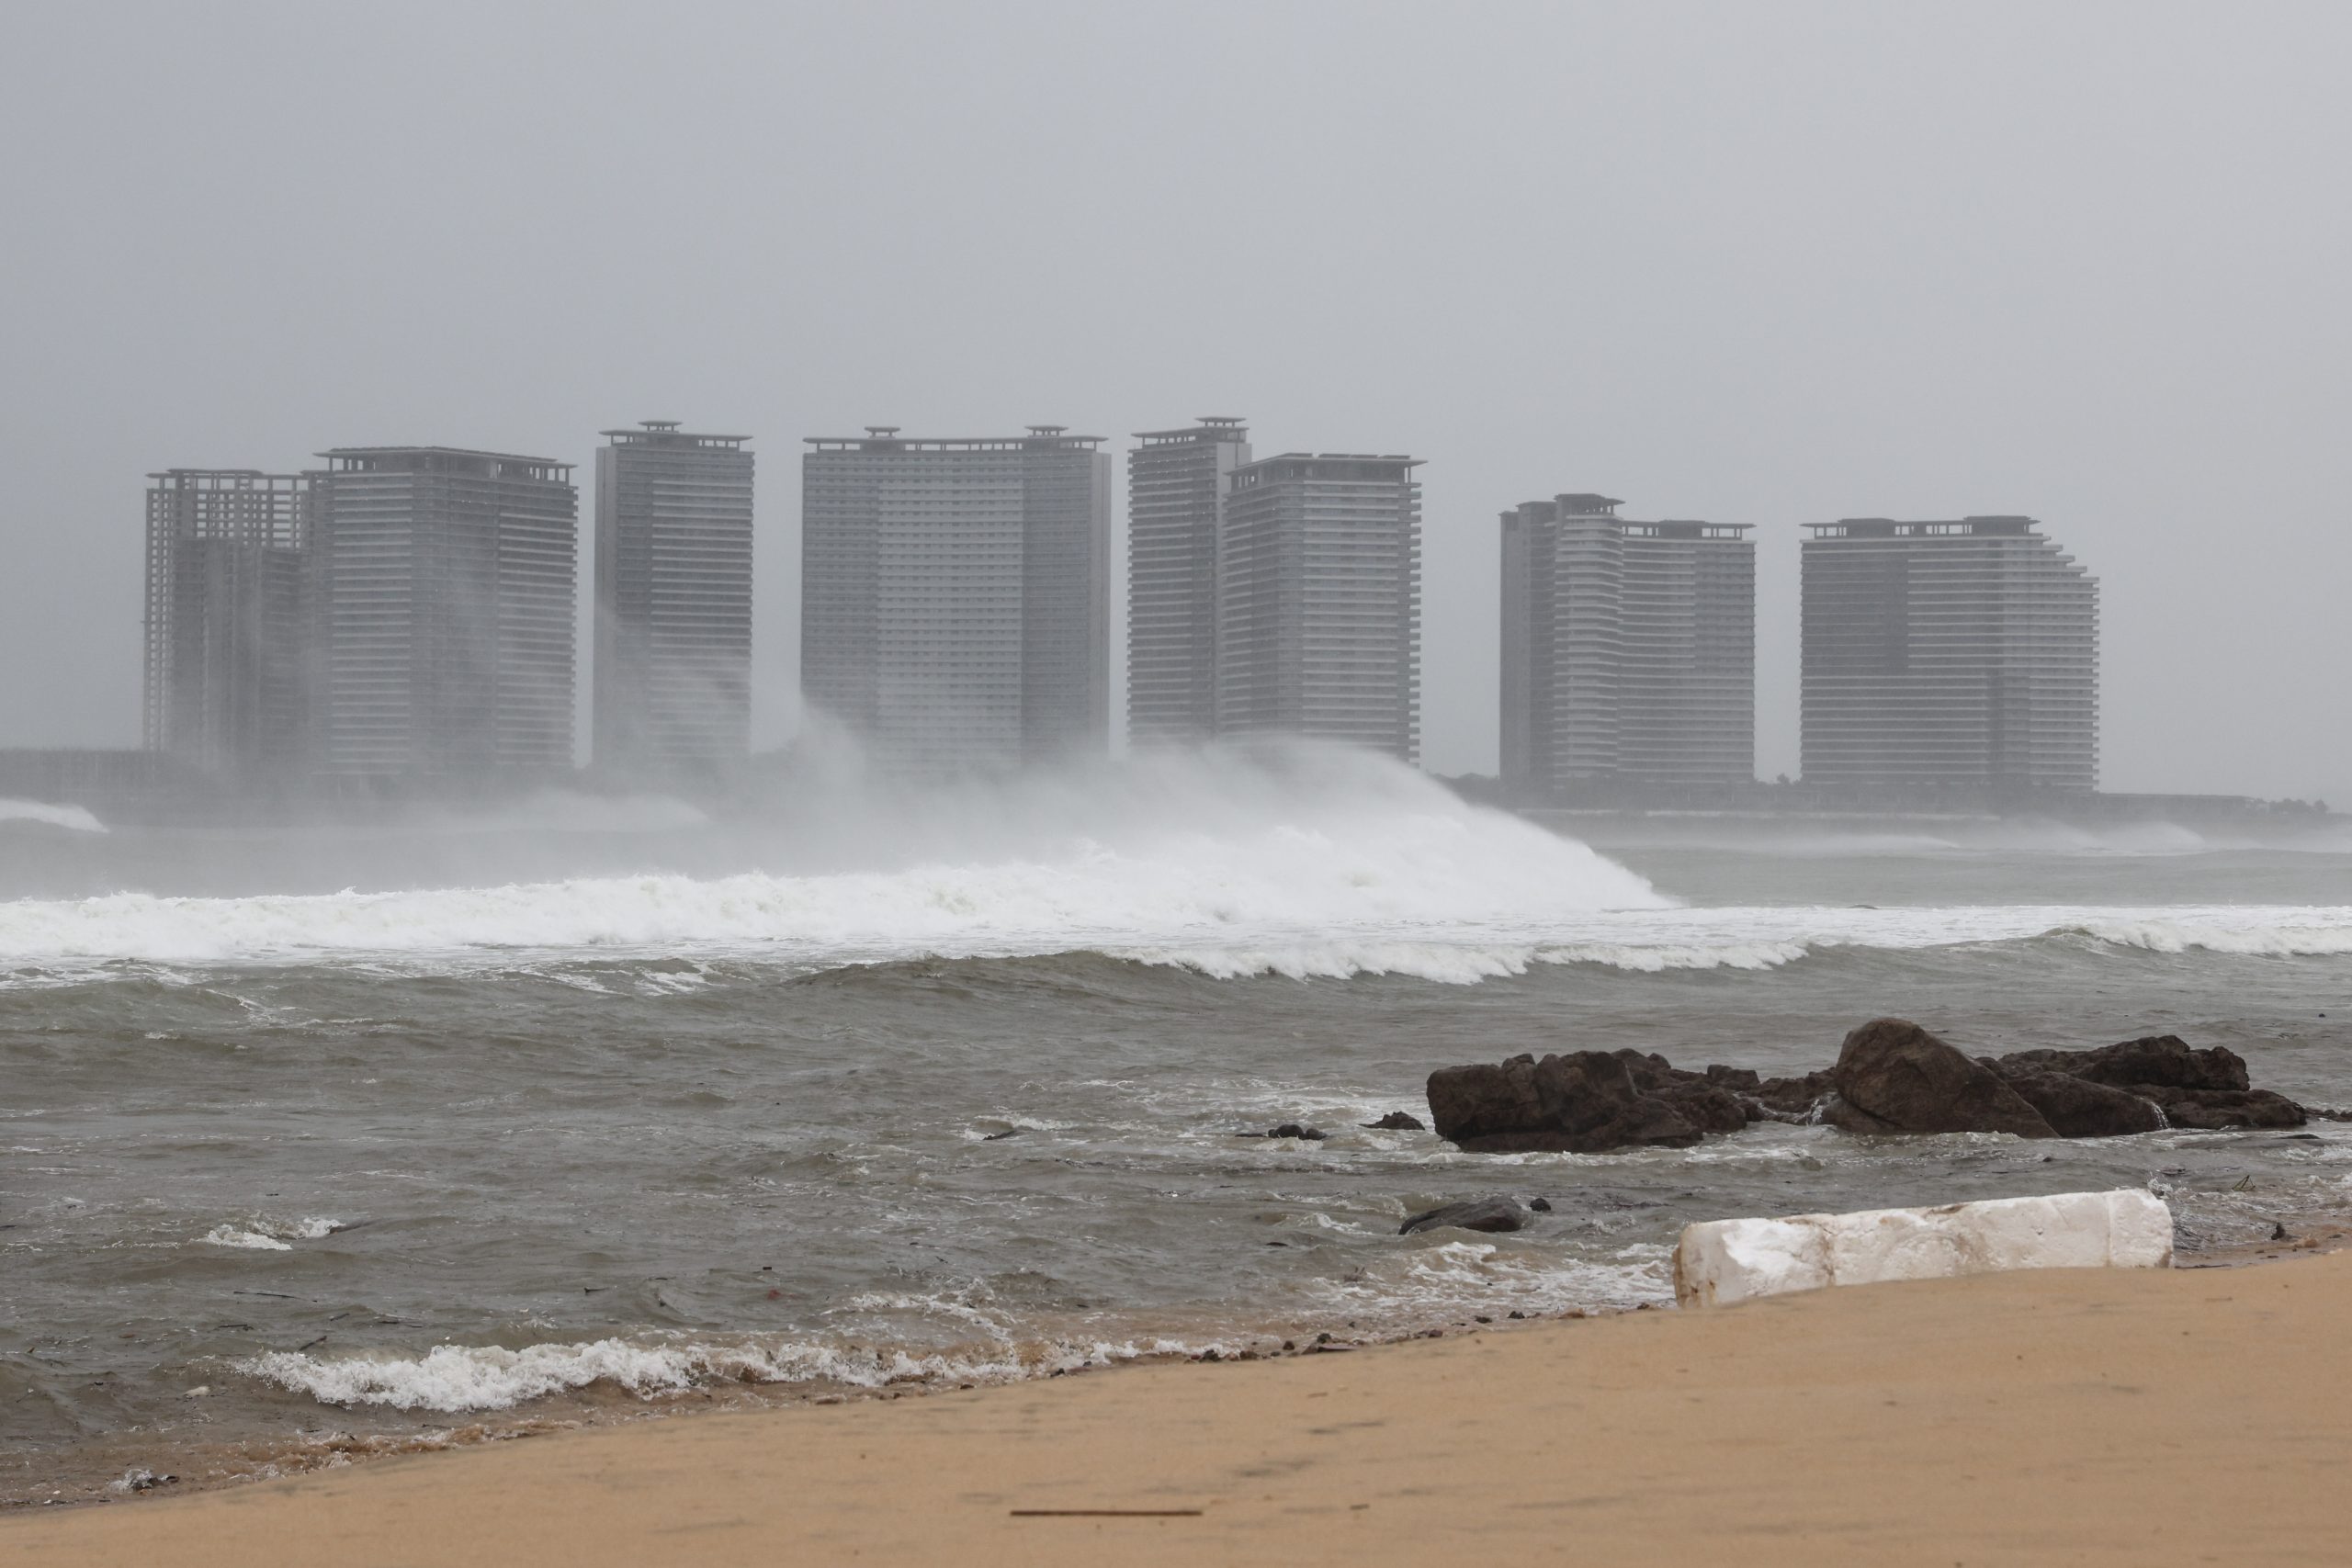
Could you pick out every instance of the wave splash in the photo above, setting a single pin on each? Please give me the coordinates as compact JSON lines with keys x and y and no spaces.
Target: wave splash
{"x":1276,"y":858}
{"x":452,"y":1379}
{"x":74,"y":819}
{"x":1308,"y":864}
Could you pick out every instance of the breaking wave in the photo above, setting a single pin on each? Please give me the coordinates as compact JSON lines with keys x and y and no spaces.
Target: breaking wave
{"x":1383,"y":872}
{"x":270,"y":1236}
{"x":452,"y":1379}
{"x":1212,"y":920}
{"x":2292,"y":933}
{"x":76,"y":818}
{"x":1303,"y":862}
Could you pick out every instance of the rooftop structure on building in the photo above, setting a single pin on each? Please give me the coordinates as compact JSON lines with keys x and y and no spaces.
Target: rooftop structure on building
{"x":673,"y":603}
{"x":1176,"y":486}
{"x":1949,"y":653}
{"x":444,"y":581}
{"x":1628,"y":651}
{"x":1319,"y":598}
{"x":955,"y":596}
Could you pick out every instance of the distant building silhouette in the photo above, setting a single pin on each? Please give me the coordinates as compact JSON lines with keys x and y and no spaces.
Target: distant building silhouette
{"x":673,"y":602}
{"x":1628,"y":649}
{"x":955,"y":595}
{"x":1176,"y":484}
{"x":225,"y":619}
{"x":444,"y":584}
{"x":1318,"y":601}
{"x":1949,"y":653}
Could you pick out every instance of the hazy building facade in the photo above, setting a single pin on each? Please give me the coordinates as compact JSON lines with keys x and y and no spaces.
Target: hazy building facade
{"x":225,"y":623}
{"x":1957,"y":653}
{"x":955,"y":602}
{"x":1628,"y":649}
{"x":1176,"y":486}
{"x":1318,"y":601}
{"x":443,"y":587}
{"x":673,"y":602}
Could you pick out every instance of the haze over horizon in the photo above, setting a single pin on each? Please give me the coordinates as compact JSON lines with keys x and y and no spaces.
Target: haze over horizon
{"x":1745,"y":264}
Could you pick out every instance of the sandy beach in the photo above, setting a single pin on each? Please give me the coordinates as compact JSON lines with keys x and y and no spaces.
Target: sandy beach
{"x":2090,"y":1417}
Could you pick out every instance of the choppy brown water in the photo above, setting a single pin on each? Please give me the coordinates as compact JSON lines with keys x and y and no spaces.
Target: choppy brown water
{"x":364,"y":1196}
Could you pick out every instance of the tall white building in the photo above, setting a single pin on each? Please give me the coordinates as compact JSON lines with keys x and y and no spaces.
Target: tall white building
{"x":444,"y":583}
{"x":1629,"y":650}
{"x":1176,"y":485}
{"x":225,"y":628}
{"x":673,"y":602}
{"x":1953,"y":653}
{"x":1318,"y":601}
{"x":955,"y":595}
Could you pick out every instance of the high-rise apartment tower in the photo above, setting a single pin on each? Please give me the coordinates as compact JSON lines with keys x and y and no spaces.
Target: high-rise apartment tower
{"x":1629,"y":650}
{"x":1962,"y":653}
{"x":225,"y":626}
{"x":1176,"y":484}
{"x":673,"y":602}
{"x":955,"y":595}
{"x":1318,"y":601}
{"x":444,"y":584}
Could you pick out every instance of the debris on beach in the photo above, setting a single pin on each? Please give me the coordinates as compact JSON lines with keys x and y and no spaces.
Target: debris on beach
{"x":1719,"y":1262}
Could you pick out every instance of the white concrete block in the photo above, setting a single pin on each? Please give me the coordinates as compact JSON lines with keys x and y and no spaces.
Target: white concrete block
{"x":1723,"y":1262}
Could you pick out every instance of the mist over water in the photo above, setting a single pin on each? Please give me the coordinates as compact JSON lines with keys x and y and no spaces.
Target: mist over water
{"x":588,"y":1104}
{"x":1166,"y":849}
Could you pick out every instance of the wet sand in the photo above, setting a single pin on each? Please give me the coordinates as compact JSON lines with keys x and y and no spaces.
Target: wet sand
{"x":2056,"y":1417}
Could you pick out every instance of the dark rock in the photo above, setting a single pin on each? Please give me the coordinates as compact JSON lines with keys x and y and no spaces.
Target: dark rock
{"x":2205,"y":1089}
{"x":2080,"y":1108}
{"x":1791,"y":1098}
{"x":1838,"y":1113}
{"x":2159,"y":1059}
{"x":1895,"y":1072}
{"x":1295,"y":1129}
{"x":1541,"y":1206}
{"x":1398,"y":1122}
{"x":1701,"y":1099}
{"x":1478,"y":1214}
{"x":1000,"y":1137}
{"x":2224,"y":1109}
{"x":1737,"y":1079}
{"x":1481,"y":1100}
{"x":1584,"y":1101}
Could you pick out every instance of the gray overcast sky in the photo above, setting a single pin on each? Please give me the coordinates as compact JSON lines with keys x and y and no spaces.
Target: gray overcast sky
{"x":1752,"y":262}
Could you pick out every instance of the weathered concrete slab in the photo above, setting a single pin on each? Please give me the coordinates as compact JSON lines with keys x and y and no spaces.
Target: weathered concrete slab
{"x":1723,"y":1261}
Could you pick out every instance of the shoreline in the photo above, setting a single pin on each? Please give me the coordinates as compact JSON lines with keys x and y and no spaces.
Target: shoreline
{"x":2163,"y":1383}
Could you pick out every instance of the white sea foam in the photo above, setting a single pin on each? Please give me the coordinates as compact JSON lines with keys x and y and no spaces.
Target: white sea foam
{"x":235,"y":1236}
{"x":270,"y":1236}
{"x":1219,"y":925}
{"x":1348,"y":884}
{"x":1470,"y":1277}
{"x":457,"y":1378}
{"x":1317,"y":865}
{"x":2323,"y":933}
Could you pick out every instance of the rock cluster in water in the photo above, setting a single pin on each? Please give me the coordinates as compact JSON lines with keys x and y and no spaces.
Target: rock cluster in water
{"x":1891,"y":1077}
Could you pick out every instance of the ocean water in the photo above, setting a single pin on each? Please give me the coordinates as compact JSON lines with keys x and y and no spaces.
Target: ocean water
{"x":315,"y":1143}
